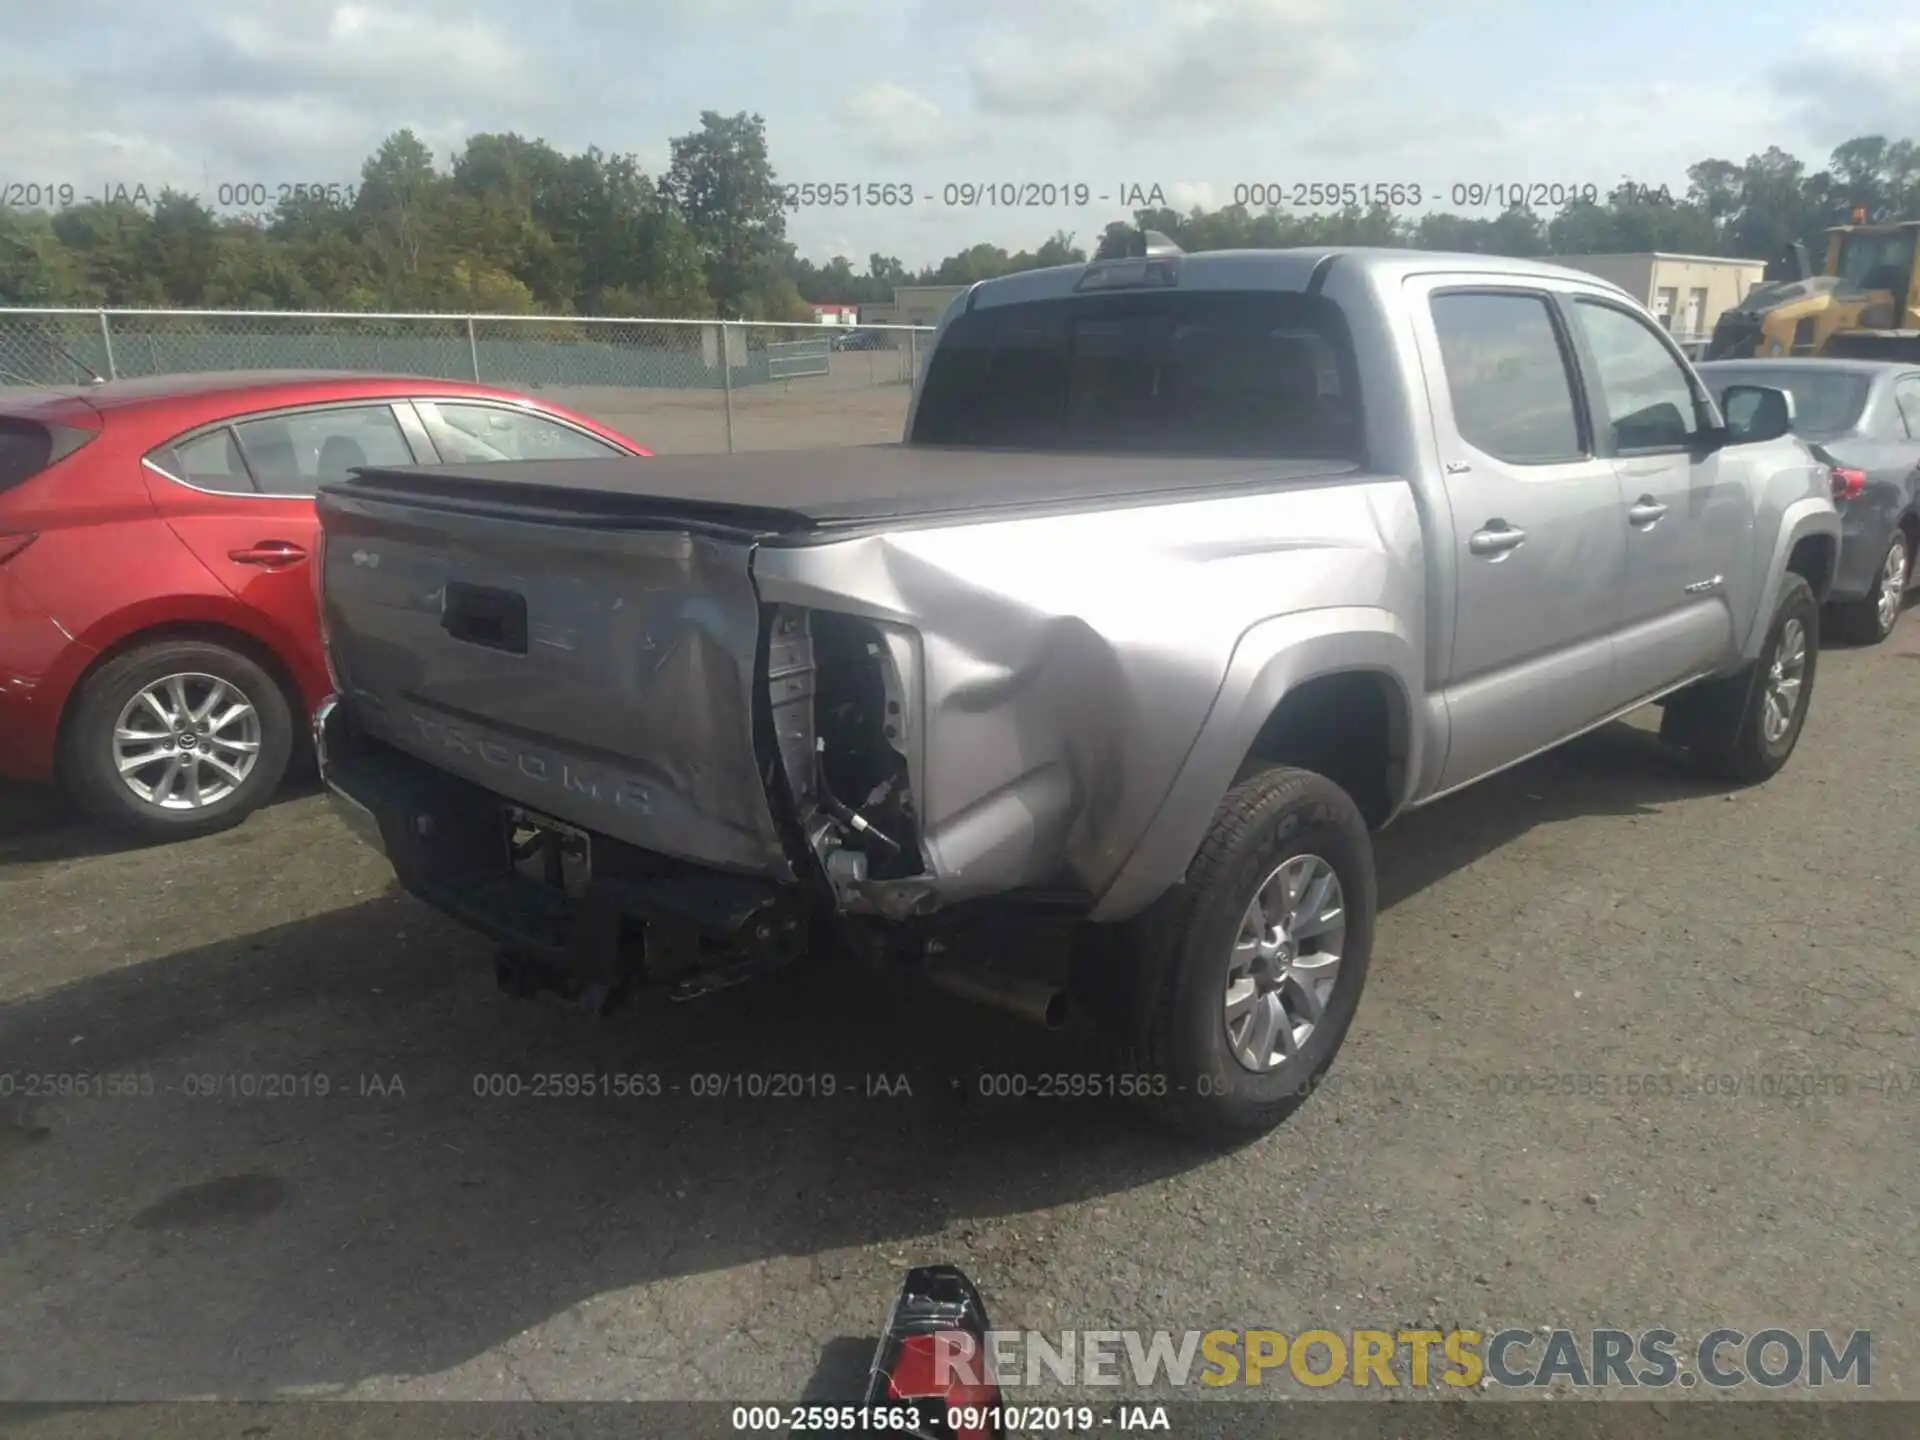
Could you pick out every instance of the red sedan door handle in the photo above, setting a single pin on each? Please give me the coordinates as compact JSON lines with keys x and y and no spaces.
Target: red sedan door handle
{"x":269,"y":553}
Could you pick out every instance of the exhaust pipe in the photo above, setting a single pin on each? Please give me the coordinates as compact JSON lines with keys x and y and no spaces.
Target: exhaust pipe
{"x":1034,"y":1001}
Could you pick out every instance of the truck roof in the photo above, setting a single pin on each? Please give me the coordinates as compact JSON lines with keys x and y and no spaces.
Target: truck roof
{"x":1289,"y":269}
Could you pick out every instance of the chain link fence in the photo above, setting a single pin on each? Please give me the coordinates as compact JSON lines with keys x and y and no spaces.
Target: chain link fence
{"x":676,"y":386}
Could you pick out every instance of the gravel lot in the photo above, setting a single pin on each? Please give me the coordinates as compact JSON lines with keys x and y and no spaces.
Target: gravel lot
{"x":1600,"y":912}
{"x":862,"y":400}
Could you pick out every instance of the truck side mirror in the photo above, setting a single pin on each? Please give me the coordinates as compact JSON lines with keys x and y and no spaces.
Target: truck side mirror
{"x":1756,"y":413}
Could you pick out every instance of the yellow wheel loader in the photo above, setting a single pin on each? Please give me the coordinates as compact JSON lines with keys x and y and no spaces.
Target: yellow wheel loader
{"x":1866,"y":306}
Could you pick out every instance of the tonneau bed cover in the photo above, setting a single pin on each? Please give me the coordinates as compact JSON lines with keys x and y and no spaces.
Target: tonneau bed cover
{"x":795,"y":491}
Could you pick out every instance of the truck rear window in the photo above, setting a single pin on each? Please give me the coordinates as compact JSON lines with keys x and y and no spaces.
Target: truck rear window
{"x":1199,"y":373}
{"x":28,"y":446}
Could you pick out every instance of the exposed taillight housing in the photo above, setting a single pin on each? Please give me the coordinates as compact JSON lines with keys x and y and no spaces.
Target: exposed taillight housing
{"x":12,"y":544}
{"x":1847,"y":484}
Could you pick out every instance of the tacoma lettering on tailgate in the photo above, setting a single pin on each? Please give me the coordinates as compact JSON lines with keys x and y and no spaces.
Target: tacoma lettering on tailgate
{"x":595,"y":782}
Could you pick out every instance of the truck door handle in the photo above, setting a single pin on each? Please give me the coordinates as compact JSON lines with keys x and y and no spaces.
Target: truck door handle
{"x":270,"y":553}
{"x":1496,"y":539}
{"x":1645,"y":510}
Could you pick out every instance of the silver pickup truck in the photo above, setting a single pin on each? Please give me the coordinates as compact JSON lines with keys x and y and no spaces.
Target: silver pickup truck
{"x":1190,"y":571}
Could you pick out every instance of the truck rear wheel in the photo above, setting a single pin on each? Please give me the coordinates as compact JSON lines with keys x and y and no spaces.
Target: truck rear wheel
{"x":1244,"y":979}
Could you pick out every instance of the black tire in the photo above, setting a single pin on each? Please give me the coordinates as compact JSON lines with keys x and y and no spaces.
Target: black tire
{"x":1174,"y":959}
{"x":1858,"y":621}
{"x":1723,"y":722}
{"x":88,"y":760}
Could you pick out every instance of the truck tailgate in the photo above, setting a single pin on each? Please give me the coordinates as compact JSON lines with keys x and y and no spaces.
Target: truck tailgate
{"x":604,"y":674}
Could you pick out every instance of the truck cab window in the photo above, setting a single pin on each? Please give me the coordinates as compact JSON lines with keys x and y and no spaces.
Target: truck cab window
{"x":1650,"y":403}
{"x":1507,"y":376}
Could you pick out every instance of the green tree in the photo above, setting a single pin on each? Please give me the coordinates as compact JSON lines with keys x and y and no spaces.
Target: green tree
{"x":1515,"y":231}
{"x":1058,"y":249}
{"x":1903,"y":179}
{"x":35,"y":267}
{"x":399,"y":214}
{"x":976,"y":262}
{"x":252,"y":271}
{"x":723,"y":185}
{"x":180,"y":246}
{"x":1859,"y":176}
{"x":1628,"y":221}
{"x":630,"y":239}
{"x":1775,"y":209}
{"x":516,"y":225}
{"x":108,"y":246}
{"x":530,"y":205}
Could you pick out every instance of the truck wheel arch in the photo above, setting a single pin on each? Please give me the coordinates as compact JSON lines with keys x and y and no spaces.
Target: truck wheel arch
{"x":1352,"y":726}
{"x":1812,"y":559}
{"x":1808,"y":545}
{"x":1286,"y":675}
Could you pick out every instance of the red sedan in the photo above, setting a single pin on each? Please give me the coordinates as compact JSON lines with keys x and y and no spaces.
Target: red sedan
{"x":159,"y":642}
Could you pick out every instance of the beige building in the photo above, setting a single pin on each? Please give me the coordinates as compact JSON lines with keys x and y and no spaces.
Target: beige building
{"x":1686,"y":293}
{"x":913,"y":305}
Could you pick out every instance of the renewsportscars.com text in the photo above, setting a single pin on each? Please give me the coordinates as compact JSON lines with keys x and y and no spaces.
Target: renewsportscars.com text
{"x":1604,"y":1358}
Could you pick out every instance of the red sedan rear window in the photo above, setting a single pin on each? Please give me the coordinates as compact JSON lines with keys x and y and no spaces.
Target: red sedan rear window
{"x":29,"y":446}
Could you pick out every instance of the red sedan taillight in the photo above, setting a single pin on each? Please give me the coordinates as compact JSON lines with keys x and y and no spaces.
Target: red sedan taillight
{"x":12,"y":545}
{"x":1848,"y":483}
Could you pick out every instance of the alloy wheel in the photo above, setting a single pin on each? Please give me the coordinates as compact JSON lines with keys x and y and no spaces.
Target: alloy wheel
{"x":1286,"y":959}
{"x":1785,"y":677}
{"x":186,"y":741}
{"x":1893,"y":584}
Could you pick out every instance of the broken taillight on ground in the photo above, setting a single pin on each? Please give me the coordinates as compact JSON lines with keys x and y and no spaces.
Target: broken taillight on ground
{"x":932,"y":1364}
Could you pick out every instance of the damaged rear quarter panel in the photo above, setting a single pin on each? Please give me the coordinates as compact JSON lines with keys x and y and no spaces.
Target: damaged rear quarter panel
{"x":1067,"y":662}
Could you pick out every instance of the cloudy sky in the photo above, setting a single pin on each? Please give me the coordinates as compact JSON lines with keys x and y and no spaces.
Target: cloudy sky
{"x":1196,"y":96}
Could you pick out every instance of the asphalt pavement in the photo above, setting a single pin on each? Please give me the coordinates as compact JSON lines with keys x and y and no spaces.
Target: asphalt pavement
{"x":267,"y":1129}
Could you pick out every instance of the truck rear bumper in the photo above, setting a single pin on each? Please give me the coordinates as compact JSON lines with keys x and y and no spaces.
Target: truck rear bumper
{"x":638,"y":918}
{"x":331,"y":746}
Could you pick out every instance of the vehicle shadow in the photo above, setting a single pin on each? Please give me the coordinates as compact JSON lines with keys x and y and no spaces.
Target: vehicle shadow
{"x":1833,"y":631}
{"x":240,"y":1242}
{"x":38,"y":824}
{"x":1619,"y":769}
{"x":211,"y":1234}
